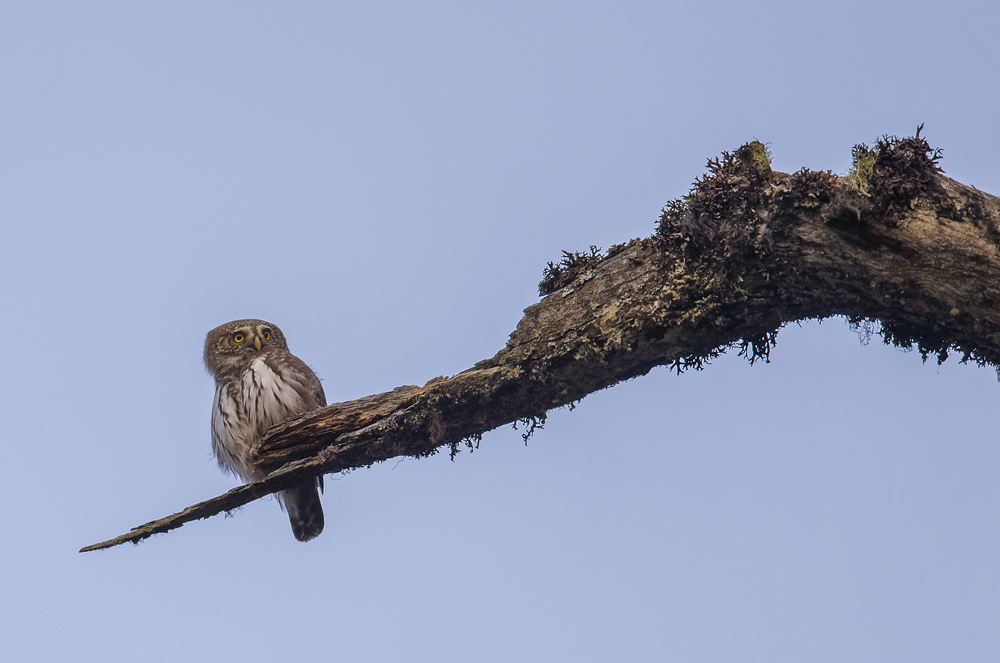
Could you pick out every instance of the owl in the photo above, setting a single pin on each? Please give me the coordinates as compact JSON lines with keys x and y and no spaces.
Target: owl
{"x":259,"y":383}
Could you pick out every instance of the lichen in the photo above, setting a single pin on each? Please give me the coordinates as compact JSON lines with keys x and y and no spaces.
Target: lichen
{"x":615,"y":249}
{"x":862,"y":164}
{"x":695,"y":362}
{"x":471,"y":443}
{"x":807,"y":190}
{"x":930,"y":339}
{"x":720,"y":216}
{"x":903,"y":173}
{"x":559,"y":275}
{"x":718,"y":231}
{"x":758,"y":348}
{"x":531,"y":424}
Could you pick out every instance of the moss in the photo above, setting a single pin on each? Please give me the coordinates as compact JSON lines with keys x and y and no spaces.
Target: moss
{"x":758,"y":153}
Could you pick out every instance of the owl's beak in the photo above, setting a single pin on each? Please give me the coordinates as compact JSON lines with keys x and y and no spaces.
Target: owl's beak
{"x":256,"y":342}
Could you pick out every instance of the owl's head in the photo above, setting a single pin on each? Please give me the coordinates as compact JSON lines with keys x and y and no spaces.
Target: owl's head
{"x":230,"y":346}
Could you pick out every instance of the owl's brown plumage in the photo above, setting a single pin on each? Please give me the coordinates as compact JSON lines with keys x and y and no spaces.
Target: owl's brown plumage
{"x":259,"y":383}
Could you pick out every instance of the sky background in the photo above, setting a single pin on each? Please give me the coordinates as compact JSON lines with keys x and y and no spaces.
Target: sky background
{"x":386,"y":182}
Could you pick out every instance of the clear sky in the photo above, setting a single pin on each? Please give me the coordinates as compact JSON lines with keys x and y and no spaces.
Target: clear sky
{"x":386,"y":181}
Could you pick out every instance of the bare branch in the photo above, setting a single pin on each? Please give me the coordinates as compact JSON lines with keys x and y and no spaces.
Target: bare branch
{"x":747,"y":251}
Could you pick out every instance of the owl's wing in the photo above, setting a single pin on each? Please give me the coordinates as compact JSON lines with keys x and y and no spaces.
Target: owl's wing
{"x":296,"y":375}
{"x":293,"y":374}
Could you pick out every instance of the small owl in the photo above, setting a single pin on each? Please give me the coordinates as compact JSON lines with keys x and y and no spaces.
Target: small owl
{"x":259,"y":383}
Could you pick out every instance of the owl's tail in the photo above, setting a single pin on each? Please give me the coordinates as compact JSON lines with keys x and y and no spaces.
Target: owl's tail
{"x":305,"y":511}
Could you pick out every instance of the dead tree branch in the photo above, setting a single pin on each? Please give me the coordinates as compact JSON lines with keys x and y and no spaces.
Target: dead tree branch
{"x":749,"y":249}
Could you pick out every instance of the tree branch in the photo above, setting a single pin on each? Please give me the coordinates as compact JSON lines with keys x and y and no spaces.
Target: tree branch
{"x":748,"y":250}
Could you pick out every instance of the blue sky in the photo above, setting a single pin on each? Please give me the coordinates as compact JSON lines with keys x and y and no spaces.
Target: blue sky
{"x":386,"y":181}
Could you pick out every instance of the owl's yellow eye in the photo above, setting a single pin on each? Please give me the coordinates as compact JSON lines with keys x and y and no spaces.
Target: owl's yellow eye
{"x":238,"y":338}
{"x":267,"y":336}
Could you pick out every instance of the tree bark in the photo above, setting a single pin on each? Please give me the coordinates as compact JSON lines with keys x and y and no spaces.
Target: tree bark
{"x":895,"y":243}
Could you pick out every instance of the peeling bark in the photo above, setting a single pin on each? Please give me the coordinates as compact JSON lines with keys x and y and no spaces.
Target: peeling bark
{"x":747,"y":251}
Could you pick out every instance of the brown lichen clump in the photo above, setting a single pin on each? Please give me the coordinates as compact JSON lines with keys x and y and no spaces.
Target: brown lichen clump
{"x":895,"y":175}
{"x":559,"y":275}
{"x":721,"y":211}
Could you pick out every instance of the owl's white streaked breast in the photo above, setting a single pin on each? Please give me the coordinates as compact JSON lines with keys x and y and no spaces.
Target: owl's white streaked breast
{"x":231,"y":433}
{"x":268,"y":397}
{"x":238,"y":419}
